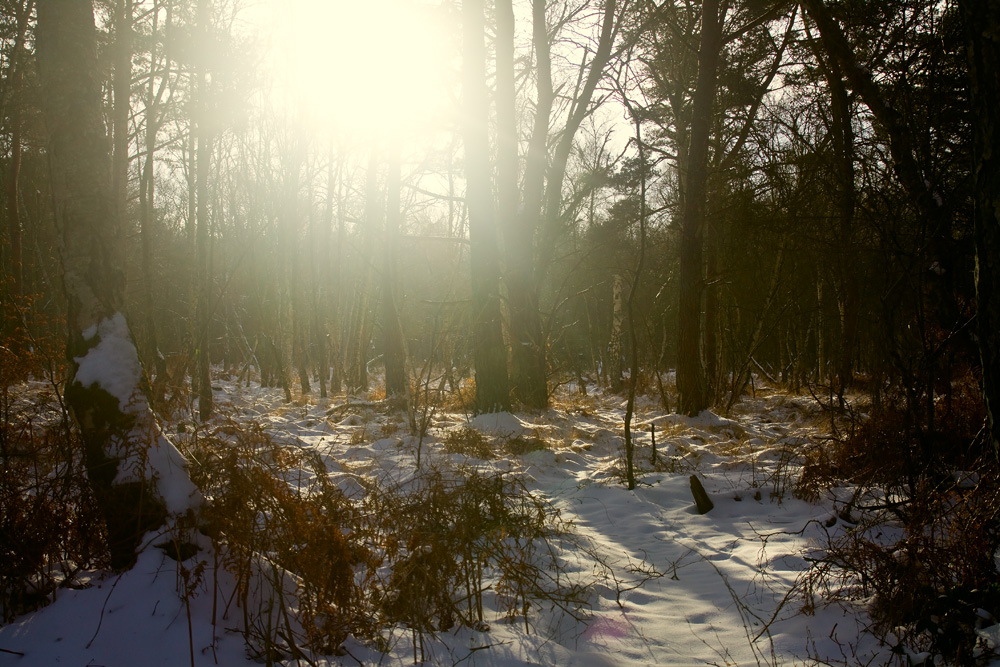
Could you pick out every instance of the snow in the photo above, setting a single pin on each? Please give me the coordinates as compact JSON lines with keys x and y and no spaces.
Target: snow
{"x":167,"y":466}
{"x":502,"y":424}
{"x":134,"y":618}
{"x":113,"y":365}
{"x":667,"y":586}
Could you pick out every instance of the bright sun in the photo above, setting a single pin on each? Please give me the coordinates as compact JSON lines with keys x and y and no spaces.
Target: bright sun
{"x":366,"y":69}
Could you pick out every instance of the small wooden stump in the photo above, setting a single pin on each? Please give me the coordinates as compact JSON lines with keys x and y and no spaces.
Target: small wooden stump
{"x":701,"y":499}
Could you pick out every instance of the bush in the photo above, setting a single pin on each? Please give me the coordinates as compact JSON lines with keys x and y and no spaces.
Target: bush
{"x":471,"y":442}
{"x":468,"y":533}
{"x":50,"y":529}
{"x":280,"y":525}
{"x":313,"y":565}
{"x":923,"y":525}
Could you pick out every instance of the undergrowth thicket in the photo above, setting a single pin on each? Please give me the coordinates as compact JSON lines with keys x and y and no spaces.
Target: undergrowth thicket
{"x":919,"y":531}
{"x":298,"y":565}
{"x":49,"y":525}
{"x":313,"y":565}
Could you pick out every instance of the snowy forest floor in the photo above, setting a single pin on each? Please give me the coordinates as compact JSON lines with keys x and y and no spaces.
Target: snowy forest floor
{"x":658,"y":583}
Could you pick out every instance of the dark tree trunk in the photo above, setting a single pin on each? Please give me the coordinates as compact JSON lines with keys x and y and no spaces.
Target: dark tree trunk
{"x":122,"y":105}
{"x":615,"y":368}
{"x":15,"y":79}
{"x":358,"y":339}
{"x":712,"y":242}
{"x":692,"y":386}
{"x":630,"y":310}
{"x":203,"y":237}
{"x":296,"y":348}
{"x":13,"y":190}
{"x":114,"y":420}
{"x":319,"y":274}
{"x":527,"y":353}
{"x":846,"y":271}
{"x":982,"y":18}
{"x":489,"y":354}
{"x":147,"y":208}
{"x":392,"y":331}
{"x":203,"y":288}
{"x":334,"y":273}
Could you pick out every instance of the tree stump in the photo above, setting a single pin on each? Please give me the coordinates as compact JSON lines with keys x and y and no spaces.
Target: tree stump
{"x":701,"y":499}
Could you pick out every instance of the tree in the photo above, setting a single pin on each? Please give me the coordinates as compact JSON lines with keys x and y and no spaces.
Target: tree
{"x":521,"y":221}
{"x":982,"y":21}
{"x":154,"y":105}
{"x":204,"y":131}
{"x":138,"y":477}
{"x":359,"y":334}
{"x":13,"y":84}
{"x":630,"y":302}
{"x":121,"y":104}
{"x":692,"y":384}
{"x":531,"y":236}
{"x":392,"y":332}
{"x":490,"y":355}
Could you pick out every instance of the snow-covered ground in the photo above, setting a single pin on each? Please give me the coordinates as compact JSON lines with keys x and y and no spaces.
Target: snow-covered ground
{"x":666,"y":585}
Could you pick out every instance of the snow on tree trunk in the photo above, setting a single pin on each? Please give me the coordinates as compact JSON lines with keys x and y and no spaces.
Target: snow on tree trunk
{"x":137,"y":476}
{"x":111,"y":366}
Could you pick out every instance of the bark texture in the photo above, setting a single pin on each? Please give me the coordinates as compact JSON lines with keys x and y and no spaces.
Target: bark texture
{"x":93,"y":259}
{"x":692,"y":384}
{"x":489,"y":353}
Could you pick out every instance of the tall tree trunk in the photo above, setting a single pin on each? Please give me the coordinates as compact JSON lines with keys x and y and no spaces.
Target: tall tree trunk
{"x":552,"y":220}
{"x":712,"y":241}
{"x":982,"y":18}
{"x":319,"y":274}
{"x":616,"y":377}
{"x":358,"y":337}
{"x":13,"y":192}
{"x":149,"y":345}
{"x":849,"y":292}
{"x":137,"y":476}
{"x":203,"y":237}
{"x":492,"y":383}
{"x":692,"y":387}
{"x":296,"y":348}
{"x":820,"y":331}
{"x":846,"y":271}
{"x":15,"y":77}
{"x":392,"y":331}
{"x":630,"y":310}
{"x":334,"y":273}
{"x":521,"y":222}
{"x":122,"y":104}
{"x":508,"y":196}
{"x":517,"y":225}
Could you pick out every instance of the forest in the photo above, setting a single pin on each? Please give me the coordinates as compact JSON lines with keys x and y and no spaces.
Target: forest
{"x":350,"y":314}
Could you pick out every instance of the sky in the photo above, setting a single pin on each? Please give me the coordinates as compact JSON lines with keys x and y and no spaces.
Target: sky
{"x":379,"y":70}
